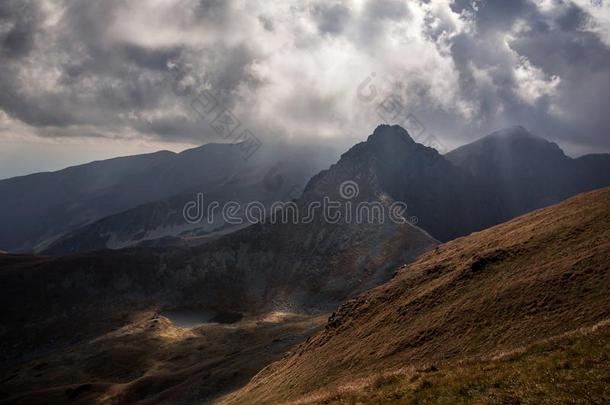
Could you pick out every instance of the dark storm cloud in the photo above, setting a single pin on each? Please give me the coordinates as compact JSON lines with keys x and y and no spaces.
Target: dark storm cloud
{"x":467,"y":67}
{"x":582,"y":61}
{"x":39,"y":111}
{"x":558,"y":46}
{"x":230,"y":68}
{"x":99,"y":78}
{"x":331,"y":18}
{"x":572,"y":19}
{"x":178,"y":128}
{"x":497,"y":14}
{"x":266,"y":22}
{"x":108,"y":82}
{"x":153,"y":59}
{"x":23,"y":15}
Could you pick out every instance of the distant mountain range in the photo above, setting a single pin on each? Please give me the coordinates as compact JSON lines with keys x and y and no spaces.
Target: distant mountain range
{"x":503,"y":175}
{"x":40,"y":209}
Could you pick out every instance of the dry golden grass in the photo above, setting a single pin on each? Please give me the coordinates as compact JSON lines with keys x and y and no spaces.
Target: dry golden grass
{"x":570,"y":369}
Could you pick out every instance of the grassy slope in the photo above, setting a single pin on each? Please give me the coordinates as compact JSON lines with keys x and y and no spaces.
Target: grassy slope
{"x":535,"y":277}
{"x":569,"y":369}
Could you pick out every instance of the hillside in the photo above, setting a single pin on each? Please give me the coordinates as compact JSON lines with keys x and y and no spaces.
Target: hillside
{"x":62,"y":208}
{"x":571,"y":368}
{"x":534,"y":278}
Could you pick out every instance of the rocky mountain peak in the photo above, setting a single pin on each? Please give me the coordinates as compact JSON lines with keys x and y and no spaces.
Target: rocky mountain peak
{"x":519,"y":136}
{"x":390,"y":134}
{"x":387,"y":153}
{"x":514,"y":131}
{"x":512,"y":145}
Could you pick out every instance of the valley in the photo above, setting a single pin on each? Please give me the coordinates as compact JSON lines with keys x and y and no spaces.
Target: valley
{"x":151,"y":357}
{"x":326,"y":311}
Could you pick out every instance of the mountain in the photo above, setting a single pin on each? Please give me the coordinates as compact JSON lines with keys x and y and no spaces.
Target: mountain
{"x":315,"y":264}
{"x":395,"y":164}
{"x":498,"y":177}
{"x":541,"y":279}
{"x":503,"y":175}
{"x":162,"y":222}
{"x":294,"y":265}
{"x":290,"y":262}
{"x":40,"y":209}
{"x":445,"y":200}
{"x":520,"y":172}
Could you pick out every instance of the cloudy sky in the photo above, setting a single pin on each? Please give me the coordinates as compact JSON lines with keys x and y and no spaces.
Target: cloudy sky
{"x":89,"y":79}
